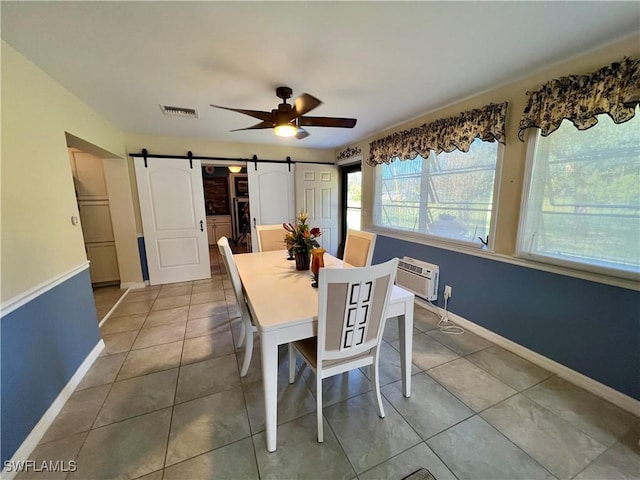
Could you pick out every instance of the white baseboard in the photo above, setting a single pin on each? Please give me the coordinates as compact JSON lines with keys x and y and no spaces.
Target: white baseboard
{"x":619,"y":399}
{"x":106,"y":317}
{"x":33,"y":439}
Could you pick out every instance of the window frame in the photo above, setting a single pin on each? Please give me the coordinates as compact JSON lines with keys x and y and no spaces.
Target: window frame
{"x":521,"y":252}
{"x":437,"y":240}
{"x":345,"y":169}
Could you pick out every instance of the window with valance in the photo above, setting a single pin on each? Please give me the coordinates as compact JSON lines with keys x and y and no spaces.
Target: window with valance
{"x":444,"y":135}
{"x":612,"y":90}
{"x":581,"y":196}
{"x":443,"y":184}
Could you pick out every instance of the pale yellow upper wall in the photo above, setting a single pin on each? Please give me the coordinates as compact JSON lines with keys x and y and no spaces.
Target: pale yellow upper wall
{"x":207,"y":148}
{"x":510,"y":189}
{"x":39,"y":242}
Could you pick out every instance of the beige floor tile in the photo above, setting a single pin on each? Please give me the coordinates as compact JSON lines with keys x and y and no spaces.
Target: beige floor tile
{"x":171,"y":302}
{"x":149,"y":337}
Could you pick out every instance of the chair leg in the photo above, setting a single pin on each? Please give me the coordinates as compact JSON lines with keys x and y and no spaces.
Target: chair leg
{"x":319,"y":407}
{"x":243,"y":332}
{"x":248,"y":349}
{"x":375,"y":378}
{"x":292,"y":363}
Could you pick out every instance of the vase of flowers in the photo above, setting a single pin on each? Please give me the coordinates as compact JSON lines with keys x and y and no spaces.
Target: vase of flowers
{"x":300,"y":240}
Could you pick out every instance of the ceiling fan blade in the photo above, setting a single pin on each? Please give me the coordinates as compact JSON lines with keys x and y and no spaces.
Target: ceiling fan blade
{"x":257,"y":126}
{"x":303,"y":104}
{"x":327,"y":122}
{"x":302,"y":133}
{"x":260,"y":115}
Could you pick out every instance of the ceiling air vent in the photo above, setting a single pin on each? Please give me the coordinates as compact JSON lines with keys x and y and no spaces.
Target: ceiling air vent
{"x":179,"y":111}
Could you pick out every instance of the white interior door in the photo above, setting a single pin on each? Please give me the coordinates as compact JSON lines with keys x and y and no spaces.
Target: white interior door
{"x":271,"y":195}
{"x":317,"y":193}
{"x":173,"y":219}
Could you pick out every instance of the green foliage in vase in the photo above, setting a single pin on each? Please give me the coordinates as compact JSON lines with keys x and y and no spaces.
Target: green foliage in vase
{"x":300,"y":237}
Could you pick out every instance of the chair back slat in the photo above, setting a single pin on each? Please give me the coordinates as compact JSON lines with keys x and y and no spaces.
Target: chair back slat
{"x":352,"y":309}
{"x":358,"y":248}
{"x":232,"y":269}
{"x":270,"y":237}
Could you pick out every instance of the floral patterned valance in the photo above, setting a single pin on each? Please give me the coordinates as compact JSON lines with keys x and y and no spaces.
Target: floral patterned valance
{"x":614,"y":90}
{"x":444,"y":135}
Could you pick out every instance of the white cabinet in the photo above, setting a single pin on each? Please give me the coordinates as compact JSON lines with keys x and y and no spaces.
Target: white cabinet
{"x":218,"y":226}
{"x":88,"y":176}
{"x":103,"y":262}
{"x":95,"y":217}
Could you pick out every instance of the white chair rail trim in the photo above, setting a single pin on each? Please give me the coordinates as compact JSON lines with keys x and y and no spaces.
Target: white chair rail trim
{"x":25,"y":297}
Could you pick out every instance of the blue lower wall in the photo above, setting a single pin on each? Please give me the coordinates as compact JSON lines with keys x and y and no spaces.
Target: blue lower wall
{"x":42,"y":345}
{"x":590,"y":327}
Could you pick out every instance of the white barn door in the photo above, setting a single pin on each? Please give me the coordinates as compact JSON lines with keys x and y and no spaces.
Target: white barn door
{"x":317,"y":194}
{"x":173,"y":219}
{"x":271,"y":195}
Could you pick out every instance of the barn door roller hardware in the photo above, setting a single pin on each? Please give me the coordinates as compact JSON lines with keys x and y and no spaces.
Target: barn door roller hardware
{"x":190,"y":156}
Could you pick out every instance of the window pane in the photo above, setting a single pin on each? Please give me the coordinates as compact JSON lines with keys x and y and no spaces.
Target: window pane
{"x":354,"y":199}
{"x":400,"y":194}
{"x":447,"y":195}
{"x":462,"y":186}
{"x":354,"y":189}
{"x":584,"y":199}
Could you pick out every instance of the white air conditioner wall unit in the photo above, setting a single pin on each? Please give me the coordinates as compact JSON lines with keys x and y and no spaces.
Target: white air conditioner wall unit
{"x":418,"y":277}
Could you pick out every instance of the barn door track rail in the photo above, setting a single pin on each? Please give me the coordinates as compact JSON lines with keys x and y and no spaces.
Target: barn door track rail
{"x":191,"y":157}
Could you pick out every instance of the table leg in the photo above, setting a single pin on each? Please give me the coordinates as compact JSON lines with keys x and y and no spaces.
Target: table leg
{"x":405,"y":330}
{"x":269,"y":350}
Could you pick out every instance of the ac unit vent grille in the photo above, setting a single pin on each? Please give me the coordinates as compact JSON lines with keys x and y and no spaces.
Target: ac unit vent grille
{"x":179,"y":111}
{"x":410,"y":267}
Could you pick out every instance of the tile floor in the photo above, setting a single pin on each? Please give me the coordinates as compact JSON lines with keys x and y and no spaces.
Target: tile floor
{"x":165,"y":401}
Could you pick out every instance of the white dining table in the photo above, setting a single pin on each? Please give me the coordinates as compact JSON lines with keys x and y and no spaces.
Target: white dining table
{"x":284,"y":307}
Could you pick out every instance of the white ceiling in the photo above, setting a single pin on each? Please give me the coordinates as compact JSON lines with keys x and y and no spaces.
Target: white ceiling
{"x":380,"y":62}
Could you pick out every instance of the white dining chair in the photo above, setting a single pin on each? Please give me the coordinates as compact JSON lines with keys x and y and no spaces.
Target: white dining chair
{"x":358,"y":248}
{"x":270,"y":237}
{"x":352,"y":305}
{"x":247,"y":327}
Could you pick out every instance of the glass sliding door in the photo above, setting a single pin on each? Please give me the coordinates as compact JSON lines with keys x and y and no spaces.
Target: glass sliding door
{"x":351,"y":191}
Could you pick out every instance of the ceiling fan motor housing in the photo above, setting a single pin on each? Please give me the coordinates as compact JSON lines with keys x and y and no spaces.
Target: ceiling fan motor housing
{"x":284,"y":93}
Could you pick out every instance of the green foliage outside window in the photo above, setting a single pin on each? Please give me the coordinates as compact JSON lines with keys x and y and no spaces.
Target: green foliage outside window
{"x":448,"y":195}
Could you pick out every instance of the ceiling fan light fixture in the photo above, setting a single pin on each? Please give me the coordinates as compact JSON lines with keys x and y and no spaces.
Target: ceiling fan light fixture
{"x":285,"y":130}
{"x":235,"y":168}
{"x":290,"y":120}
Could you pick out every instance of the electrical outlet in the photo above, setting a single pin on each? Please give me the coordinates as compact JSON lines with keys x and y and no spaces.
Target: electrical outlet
{"x":447,"y":291}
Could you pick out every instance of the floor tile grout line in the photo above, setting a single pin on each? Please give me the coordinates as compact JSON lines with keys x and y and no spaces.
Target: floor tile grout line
{"x":115,"y":378}
{"x":173,"y":407}
{"x":527,"y":454}
{"x":111,"y":384}
{"x":249,"y":437}
{"x":478,"y":413}
{"x":243,"y":386}
{"x":547,"y":409}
